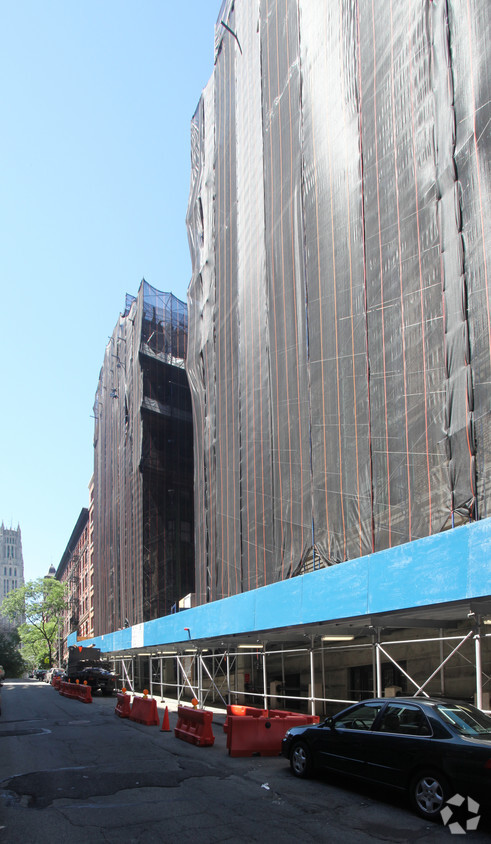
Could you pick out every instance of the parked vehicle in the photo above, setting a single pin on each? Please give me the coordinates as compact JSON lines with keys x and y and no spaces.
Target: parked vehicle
{"x":40,"y":673}
{"x":431,"y":748}
{"x":53,"y":672}
{"x":85,"y":664}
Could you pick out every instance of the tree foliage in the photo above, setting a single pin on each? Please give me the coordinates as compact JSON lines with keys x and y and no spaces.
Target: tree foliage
{"x":10,"y":656}
{"x":38,"y":608}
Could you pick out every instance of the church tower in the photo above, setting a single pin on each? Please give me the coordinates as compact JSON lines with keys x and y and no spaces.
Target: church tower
{"x":11,"y":565}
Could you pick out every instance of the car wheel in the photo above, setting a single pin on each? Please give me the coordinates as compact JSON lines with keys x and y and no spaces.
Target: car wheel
{"x":301,"y":760}
{"x":429,"y":791}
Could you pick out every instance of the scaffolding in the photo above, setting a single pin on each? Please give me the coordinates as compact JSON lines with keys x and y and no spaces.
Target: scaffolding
{"x":259,"y":675}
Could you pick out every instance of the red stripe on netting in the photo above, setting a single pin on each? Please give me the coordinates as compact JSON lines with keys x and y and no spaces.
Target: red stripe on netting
{"x":403,"y":330}
{"x":336,"y":343}
{"x":355,"y":412}
{"x":360,"y":136}
{"x":283,"y":289}
{"x":249,"y":331}
{"x":273,"y":289}
{"x":226,"y":285}
{"x":321,"y":332}
{"x":423,"y":333}
{"x":381,"y":268}
{"x":259,"y":347}
{"x":211,"y":498}
{"x":219,"y":333}
{"x":292,"y":233}
{"x":231,"y":230}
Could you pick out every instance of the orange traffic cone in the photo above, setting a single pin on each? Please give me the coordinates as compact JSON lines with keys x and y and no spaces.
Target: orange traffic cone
{"x":165,"y":728}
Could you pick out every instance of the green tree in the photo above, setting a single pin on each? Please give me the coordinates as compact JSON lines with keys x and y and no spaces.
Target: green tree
{"x":10,"y":656}
{"x":38,"y":608}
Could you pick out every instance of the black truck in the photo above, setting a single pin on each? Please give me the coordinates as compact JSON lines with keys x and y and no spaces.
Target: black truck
{"x":85,"y":664}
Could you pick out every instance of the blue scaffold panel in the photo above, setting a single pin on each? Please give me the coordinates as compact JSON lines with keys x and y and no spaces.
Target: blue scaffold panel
{"x":479,"y":560}
{"x":423,"y":572}
{"x":447,"y":567}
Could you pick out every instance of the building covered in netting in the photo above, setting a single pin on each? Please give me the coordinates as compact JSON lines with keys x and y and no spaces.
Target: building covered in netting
{"x":339,"y":326}
{"x":339,"y":363}
{"x":143,"y":466}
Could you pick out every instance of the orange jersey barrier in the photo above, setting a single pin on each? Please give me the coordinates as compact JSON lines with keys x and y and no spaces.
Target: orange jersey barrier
{"x":194,"y":726}
{"x":283,"y":713}
{"x":75,"y":690}
{"x":123,"y":705}
{"x":68,"y":689}
{"x":236,"y":709}
{"x":252,"y":736}
{"x":84,"y":693}
{"x":144,"y":711}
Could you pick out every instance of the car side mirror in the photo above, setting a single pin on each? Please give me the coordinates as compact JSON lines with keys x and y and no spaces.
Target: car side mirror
{"x":328,"y":722}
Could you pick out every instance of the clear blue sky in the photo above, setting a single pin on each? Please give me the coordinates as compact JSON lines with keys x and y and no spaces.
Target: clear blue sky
{"x":96,"y":103}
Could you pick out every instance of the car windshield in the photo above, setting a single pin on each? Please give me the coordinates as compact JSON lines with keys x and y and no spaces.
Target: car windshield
{"x":468,"y":721}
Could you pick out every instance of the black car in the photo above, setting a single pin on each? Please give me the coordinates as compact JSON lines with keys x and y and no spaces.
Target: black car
{"x":96,"y":678}
{"x":431,"y":748}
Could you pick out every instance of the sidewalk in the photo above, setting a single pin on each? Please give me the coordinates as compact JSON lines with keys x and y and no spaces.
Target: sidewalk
{"x":219,"y":713}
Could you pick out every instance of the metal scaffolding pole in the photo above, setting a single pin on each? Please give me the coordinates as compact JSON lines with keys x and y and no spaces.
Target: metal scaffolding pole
{"x":130,"y":681}
{"x":229,"y":699}
{"x":185,"y":677}
{"x":477,"y":643}
{"x":323,"y":668}
{"x":312,"y":680}
{"x":421,"y":688}
{"x":401,"y":669}
{"x":378,"y":664}
{"x":200,"y":679}
{"x":265,"y":690}
{"x":283,"y":681}
{"x":214,"y":685}
{"x":442,"y":669}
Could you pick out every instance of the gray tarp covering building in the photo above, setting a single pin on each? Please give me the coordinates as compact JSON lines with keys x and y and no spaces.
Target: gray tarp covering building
{"x":339,"y":317}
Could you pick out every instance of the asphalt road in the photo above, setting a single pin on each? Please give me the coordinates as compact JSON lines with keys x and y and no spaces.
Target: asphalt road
{"x":75,"y":772}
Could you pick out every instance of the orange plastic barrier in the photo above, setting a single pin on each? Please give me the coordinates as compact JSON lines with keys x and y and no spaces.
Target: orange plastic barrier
{"x":123,"y":705}
{"x":84,"y":693}
{"x":55,"y":682}
{"x":283,"y":713}
{"x":144,"y":711}
{"x":75,"y":690}
{"x":194,"y":726}
{"x":252,"y":736}
{"x":236,"y":709}
{"x":68,"y":689}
